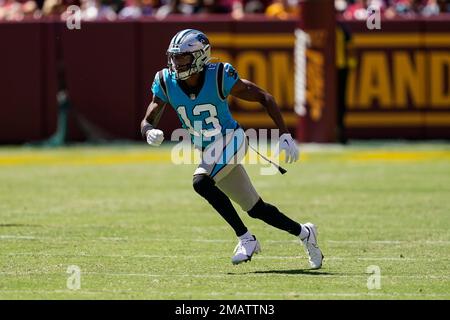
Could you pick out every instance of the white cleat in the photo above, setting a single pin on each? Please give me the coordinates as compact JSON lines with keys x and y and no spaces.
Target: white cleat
{"x":312,"y":248}
{"x":245,"y":250}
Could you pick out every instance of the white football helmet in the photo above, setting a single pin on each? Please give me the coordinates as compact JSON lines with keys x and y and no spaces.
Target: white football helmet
{"x":188,"y":42}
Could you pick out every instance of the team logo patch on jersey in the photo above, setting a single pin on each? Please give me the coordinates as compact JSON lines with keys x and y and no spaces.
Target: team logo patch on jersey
{"x":231,"y":73}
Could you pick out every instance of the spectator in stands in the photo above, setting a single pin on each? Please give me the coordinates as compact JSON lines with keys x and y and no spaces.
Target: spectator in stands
{"x":8,"y":9}
{"x":283,"y":9}
{"x":185,"y":7}
{"x":139,"y":8}
{"x":237,"y":10}
{"x":340,"y":6}
{"x":89,"y":10}
{"x":18,"y":10}
{"x":100,"y":9}
{"x":109,"y":9}
{"x":30,"y":10}
{"x":403,"y":7}
{"x":445,"y":5}
{"x":149,"y":7}
{"x":106,"y":10}
{"x":217,"y":6}
{"x":242,"y":7}
{"x":132,"y":9}
{"x":58,"y":7}
{"x":357,"y":10}
{"x":430,"y":8}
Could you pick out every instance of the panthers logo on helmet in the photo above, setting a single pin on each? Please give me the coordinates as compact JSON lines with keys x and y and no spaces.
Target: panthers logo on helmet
{"x":202,"y":38}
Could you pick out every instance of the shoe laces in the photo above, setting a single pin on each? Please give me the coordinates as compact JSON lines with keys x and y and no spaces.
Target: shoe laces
{"x":309,"y":244}
{"x":240,"y":246}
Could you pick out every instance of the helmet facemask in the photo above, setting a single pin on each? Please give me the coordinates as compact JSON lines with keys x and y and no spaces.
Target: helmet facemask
{"x":196,"y":47}
{"x":181,"y":65}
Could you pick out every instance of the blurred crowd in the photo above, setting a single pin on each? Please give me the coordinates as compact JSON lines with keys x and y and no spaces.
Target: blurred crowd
{"x":357,"y":9}
{"x":17,"y":10}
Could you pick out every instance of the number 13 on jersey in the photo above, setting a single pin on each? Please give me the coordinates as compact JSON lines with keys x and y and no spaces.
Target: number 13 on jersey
{"x":197,"y":127}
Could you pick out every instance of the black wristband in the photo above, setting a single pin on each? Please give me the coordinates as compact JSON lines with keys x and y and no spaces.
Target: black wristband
{"x":144,"y":130}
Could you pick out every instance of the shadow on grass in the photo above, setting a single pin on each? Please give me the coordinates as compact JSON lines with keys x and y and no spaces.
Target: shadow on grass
{"x":292,"y":272}
{"x":6,"y":225}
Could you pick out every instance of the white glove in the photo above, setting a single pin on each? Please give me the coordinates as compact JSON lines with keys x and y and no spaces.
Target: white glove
{"x":287,"y":143}
{"x":155,"y":137}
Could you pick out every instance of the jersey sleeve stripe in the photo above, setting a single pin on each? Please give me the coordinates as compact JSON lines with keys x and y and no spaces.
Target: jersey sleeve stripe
{"x":163,"y":83}
{"x":220,"y":81}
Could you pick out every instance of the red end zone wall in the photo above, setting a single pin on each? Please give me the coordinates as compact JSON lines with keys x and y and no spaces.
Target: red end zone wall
{"x":22,"y":116}
{"x":109,"y":68}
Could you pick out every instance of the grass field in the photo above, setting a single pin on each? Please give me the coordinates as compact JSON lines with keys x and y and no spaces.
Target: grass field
{"x":132,"y":223}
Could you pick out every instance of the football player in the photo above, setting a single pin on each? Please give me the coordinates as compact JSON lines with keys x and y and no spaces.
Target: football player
{"x":197,"y":90}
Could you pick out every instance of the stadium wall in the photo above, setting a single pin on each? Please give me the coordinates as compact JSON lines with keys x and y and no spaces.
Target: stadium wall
{"x":398,"y":82}
{"x":108,"y":69}
{"x":397,"y":87}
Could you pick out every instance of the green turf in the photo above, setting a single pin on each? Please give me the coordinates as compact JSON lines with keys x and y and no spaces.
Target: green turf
{"x":137,"y":230}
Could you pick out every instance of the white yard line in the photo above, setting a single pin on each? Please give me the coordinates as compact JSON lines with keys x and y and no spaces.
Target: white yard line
{"x":337,"y":294}
{"x":262,"y":274}
{"x":188,"y":257}
{"x":227,"y":276}
{"x":14,"y":237}
{"x":389,"y":241}
{"x":29,"y":237}
{"x":242,"y":294}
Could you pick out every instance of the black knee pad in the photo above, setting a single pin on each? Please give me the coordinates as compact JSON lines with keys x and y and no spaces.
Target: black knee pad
{"x":202,"y":183}
{"x":261,"y":209}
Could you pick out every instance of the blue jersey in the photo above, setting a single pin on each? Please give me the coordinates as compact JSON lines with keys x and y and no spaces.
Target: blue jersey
{"x":206,"y":115}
